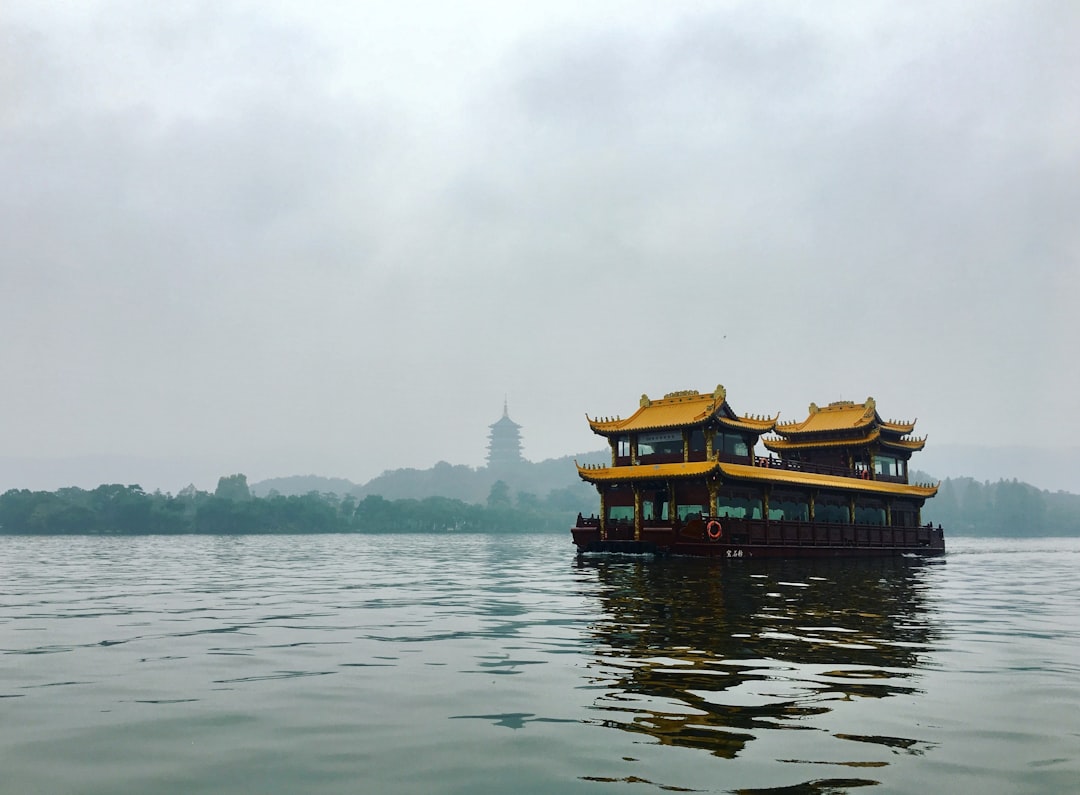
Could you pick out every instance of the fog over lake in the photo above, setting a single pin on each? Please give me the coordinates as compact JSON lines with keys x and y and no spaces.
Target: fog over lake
{"x":280,"y":239}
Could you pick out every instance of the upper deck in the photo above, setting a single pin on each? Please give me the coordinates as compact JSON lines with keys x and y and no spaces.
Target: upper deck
{"x":842,"y":440}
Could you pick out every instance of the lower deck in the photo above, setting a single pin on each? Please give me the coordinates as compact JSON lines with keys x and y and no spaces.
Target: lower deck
{"x":735,"y":538}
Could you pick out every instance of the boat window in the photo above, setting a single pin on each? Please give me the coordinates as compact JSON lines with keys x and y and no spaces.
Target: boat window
{"x":617,"y":512}
{"x":660,"y":444}
{"x":885,"y":465}
{"x":905,"y":513}
{"x":832,"y":509}
{"x":732,"y":444}
{"x":655,"y":511}
{"x":836,"y":514}
{"x":689,"y":511}
{"x":793,"y":510}
{"x":697,"y":441}
{"x":741,"y":507}
{"x":869,"y":514}
{"x":902,"y":517}
{"x":904,"y":505}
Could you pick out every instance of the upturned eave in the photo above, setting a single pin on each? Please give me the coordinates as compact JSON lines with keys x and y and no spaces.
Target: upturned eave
{"x":625,"y":474}
{"x":814,"y":480}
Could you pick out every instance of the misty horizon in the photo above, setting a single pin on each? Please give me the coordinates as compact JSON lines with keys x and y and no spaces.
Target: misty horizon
{"x":1050,"y":470}
{"x":280,"y":239}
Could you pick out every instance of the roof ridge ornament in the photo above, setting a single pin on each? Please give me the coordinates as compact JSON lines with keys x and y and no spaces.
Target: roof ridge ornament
{"x":645,"y":402}
{"x":719,"y":394}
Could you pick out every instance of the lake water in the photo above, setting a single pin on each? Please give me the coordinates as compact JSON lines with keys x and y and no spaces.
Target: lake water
{"x":484,"y":664}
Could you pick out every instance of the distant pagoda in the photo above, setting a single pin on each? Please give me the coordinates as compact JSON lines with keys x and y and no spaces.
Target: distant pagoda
{"x":504,"y":442}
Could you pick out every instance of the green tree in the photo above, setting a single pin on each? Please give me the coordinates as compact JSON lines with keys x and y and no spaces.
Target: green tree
{"x":571,"y":500}
{"x":499,"y":496}
{"x":233,"y":487}
{"x":347,"y":508}
{"x":527,"y":501}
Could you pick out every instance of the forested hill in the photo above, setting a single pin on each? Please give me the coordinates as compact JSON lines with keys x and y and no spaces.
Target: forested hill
{"x":964,"y":506}
{"x":115,"y":509}
{"x":448,"y":480}
{"x":298,"y":485}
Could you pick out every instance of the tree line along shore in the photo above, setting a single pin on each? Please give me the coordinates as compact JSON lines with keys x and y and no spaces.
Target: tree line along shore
{"x":963,"y":507}
{"x":116,"y":509}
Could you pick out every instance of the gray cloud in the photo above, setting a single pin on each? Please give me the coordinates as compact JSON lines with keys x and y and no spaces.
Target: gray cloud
{"x":228,"y":236}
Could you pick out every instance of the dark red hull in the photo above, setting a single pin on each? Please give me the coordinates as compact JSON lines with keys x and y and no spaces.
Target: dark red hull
{"x":757,"y":539}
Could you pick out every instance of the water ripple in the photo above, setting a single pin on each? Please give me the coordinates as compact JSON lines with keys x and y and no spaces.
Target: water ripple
{"x":288,"y":664}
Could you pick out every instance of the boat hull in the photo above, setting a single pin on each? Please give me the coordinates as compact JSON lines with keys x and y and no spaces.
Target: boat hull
{"x":765,"y":540}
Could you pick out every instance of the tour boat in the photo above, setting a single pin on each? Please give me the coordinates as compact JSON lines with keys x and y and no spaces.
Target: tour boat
{"x":684,"y":479}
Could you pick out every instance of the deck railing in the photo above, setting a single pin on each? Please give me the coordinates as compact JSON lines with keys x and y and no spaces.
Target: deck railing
{"x":805,"y":466}
{"x":777,"y":532}
{"x":770,"y":462}
{"x":800,"y":533}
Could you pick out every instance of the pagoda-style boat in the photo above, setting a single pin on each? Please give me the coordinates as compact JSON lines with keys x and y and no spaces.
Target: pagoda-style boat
{"x":684,"y":479}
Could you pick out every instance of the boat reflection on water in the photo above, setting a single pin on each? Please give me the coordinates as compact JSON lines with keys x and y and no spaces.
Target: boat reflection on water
{"x":704,"y":655}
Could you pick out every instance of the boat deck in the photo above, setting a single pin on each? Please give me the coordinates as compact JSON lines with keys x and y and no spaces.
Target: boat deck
{"x":760,"y":538}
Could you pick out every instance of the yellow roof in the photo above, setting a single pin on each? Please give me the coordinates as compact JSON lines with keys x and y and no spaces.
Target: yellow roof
{"x":697,"y":469}
{"x":601,"y":474}
{"x":745,"y":472}
{"x":897,"y":426}
{"x":843,"y":415}
{"x":681,"y":410}
{"x":778,"y":445}
{"x":905,"y":444}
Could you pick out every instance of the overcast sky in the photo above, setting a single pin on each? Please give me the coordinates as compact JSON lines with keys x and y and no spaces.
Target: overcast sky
{"x":286,"y":238}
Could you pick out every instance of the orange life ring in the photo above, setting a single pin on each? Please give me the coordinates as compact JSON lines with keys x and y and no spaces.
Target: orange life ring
{"x":714,"y":529}
{"x":865,"y":474}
